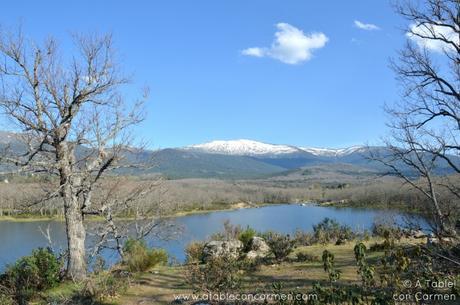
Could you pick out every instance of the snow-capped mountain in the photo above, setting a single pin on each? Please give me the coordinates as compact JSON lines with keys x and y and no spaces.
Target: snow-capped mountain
{"x":238,"y":159}
{"x":243,"y":147}
{"x":333,"y":152}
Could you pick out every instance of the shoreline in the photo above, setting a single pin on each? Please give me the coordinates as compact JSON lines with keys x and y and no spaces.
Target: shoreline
{"x":219,"y":208}
{"x":231,"y":207}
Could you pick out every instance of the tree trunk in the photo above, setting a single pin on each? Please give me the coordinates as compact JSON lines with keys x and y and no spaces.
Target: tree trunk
{"x":76,"y":264}
{"x":75,"y":229}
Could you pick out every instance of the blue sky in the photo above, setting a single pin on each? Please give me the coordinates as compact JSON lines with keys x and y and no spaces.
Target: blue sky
{"x":326,"y":90}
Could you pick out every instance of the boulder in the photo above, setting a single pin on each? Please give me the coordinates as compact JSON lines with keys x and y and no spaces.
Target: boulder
{"x":416,"y":234}
{"x":219,"y":248}
{"x":444,"y":240}
{"x":258,"y":248}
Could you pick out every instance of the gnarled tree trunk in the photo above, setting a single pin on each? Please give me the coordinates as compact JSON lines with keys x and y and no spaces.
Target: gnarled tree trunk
{"x":76,"y":264}
{"x":76,"y":234}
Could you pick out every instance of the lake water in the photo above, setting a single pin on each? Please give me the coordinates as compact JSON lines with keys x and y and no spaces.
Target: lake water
{"x":19,"y":238}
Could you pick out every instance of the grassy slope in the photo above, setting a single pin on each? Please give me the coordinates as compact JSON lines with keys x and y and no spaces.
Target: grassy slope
{"x":160,"y":285}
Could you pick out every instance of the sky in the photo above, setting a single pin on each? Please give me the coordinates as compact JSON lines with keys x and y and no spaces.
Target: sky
{"x":306,"y":73}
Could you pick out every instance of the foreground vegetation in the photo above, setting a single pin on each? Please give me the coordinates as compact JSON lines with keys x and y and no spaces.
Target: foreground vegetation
{"x":331,"y":265}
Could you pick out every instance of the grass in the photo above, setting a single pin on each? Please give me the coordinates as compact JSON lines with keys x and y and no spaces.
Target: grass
{"x":162,"y":283}
{"x":64,"y":290}
{"x":160,"y":286}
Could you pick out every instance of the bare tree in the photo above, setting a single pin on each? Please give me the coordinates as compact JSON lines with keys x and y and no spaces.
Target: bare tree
{"x":72,"y":119}
{"x":426,"y":122}
{"x":132,"y":210}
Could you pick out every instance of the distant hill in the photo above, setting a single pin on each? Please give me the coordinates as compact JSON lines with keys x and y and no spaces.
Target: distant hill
{"x":180,"y":163}
{"x":244,"y":159}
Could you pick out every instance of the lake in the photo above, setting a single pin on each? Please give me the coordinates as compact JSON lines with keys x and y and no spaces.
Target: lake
{"x":19,"y":238}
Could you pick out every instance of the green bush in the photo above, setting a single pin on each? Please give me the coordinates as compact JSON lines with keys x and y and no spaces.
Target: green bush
{"x":280,"y":245}
{"x":159,"y":257}
{"x":329,"y":266}
{"x":39,"y":271}
{"x":245,"y":236}
{"x":139,"y":258}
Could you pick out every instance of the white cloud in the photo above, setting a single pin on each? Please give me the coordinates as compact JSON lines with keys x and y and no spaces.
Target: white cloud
{"x":366,"y":26}
{"x":429,"y":30}
{"x":291,"y":45}
{"x":257,"y":52}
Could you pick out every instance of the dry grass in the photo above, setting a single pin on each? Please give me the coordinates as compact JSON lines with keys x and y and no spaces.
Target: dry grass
{"x":161,"y":285}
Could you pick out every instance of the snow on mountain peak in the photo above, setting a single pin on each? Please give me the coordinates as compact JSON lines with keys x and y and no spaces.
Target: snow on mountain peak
{"x":333,"y":152}
{"x":243,"y":147}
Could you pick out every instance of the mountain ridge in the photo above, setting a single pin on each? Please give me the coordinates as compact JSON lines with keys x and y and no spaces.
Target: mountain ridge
{"x":246,"y":147}
{"x":235,"y":159}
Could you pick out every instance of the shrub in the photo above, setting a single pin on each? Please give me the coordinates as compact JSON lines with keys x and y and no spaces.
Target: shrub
{"x":194,"y":252}
{"x":139,"y":258}
{"x":246,"y":236}
{"x":383,"y":229}
{"x":303,"y":238}
{"x":280,"y":245}
{"x":219,"y":274}
{"x":105,"y":285}
{"x":6,"y":299}
{"x":329,"y":230}
{"x":99,"y":265}
{"x":365,"y":270}
{"x":252,"y":265}
{"x":39,"y":271}
{"x":96,"y":289}
{"x":377,"y":247}
{"x":305,"y":257}
{"x":365,"y":235}
{"x":329,"y":266}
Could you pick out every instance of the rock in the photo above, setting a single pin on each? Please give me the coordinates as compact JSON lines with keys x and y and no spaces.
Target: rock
{"x":340,"y":241}
{"x":258,"y":248}
{"x":121,"y":273}
{"x":444,"y":240}
{"x":218,"y":248}
{"x":432,"y":241}
{"x":416,"y":234}
{"x":259,"y":244}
